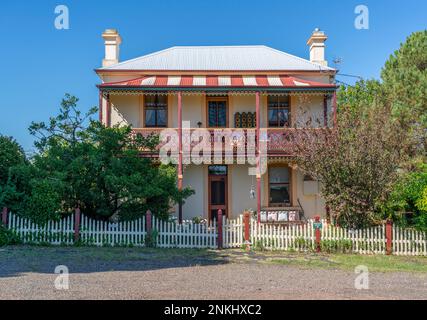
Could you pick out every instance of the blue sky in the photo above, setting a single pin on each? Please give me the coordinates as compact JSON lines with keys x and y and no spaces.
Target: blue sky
{"x":41,"y":63}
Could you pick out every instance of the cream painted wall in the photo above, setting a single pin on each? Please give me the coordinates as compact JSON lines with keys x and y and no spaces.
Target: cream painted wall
{"x":241,"y":183}
{"x":194,"y":177}
{"x":125,"y":110}
{"x":312,"y":204}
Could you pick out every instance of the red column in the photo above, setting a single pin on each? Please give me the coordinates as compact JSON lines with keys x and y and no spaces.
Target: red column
{"x":389,"y":237}
{"x":334,"y":99}
{"x":148,"y":222}
{"x":180,"y":177}
{"x":100,"y":111}
{"x":77,"y":217}
{"x":317,"y":233}
{"x":108,"y":120}
{"x":219,"y":229}
{"x":4,"y":216}
{"x":258,"y":171}
{"x":246,"y":223}
{"x":325,"y":111}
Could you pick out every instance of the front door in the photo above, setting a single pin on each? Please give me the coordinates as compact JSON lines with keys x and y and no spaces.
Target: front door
{"x":217,"y":191}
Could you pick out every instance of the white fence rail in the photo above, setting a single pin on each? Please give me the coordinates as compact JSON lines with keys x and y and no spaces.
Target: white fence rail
{"x":164,"y":234}
{"x":54,"y":232}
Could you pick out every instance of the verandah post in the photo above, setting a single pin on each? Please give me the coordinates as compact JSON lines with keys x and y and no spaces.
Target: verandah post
{"x":4,"y":216}
{"x":389,"y":237}
{"x":77,"y":218}
{"x":317,"y":227}
{"x":246,"y":222}
{"x":148,"y":216}
{"x":219,"y":220}
{"x":258,"y":155}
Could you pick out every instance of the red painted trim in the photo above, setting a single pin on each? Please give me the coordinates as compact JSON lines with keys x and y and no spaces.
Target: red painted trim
{"x":108,"y":112}
{"x":246,"y":222}
{"x":186,"y":81}
{"x":100,"y":111}
{"x":4,"y":216}
{"x":237,"y":81}
{"x":219,"y":228}
{"x":318,"y":235}
{"x":212,"y":81}
{"x":334,"y":99}
{"x":258,"y":154}
{"x":325,"y":111}
{"x":161,"y":81}
{"x":179,"y":140}
{"x":262,"y":81}
{"x":77,"y":218}
{"x":389,"y":237}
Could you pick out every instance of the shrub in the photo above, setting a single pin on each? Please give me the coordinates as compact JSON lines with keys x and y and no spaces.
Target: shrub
{"x":8,"y":237}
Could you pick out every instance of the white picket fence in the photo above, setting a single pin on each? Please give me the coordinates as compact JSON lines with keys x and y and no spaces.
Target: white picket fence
{"x":54,"y":232}
{"x":409,"y":242}
{"x":299,"y":237}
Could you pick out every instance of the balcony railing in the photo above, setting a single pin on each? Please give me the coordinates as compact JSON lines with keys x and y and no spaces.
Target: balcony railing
{"x":280,"y":141}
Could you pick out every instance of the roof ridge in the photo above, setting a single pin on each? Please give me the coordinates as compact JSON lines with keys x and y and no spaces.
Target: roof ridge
{"x":299,"y":58}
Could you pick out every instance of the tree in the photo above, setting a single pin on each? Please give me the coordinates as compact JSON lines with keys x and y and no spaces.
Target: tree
{"x":357,"y":162}
{"x":11,"y":155}
{"x":82,"y":163}
{"x":405,"y":79}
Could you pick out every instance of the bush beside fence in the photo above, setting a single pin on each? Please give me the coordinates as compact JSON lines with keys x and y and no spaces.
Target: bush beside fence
{"x":149,"y":231}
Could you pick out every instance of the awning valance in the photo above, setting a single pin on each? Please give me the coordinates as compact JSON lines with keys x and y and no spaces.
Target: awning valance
{"x":220,"y":82}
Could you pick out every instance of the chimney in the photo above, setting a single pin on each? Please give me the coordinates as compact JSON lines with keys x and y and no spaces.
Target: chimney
{"x":317,"y":47}
{"x":112,"y":41}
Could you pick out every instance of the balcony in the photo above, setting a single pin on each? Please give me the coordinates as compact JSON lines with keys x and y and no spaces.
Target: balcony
{"x":277,"y":141}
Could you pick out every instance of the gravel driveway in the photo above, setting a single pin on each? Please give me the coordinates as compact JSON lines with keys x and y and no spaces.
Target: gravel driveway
{"x":28,"y":273}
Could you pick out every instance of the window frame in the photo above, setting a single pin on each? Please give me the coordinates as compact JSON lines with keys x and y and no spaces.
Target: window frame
{"x":156,"y":109}
{"x":223,"y":99}
{"x":277,"y":108}
{"x":289,"y":185}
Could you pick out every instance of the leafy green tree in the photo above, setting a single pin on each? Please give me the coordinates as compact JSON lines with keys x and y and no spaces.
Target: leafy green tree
{"x":11,"y":155}
{"x":82,"y":163}
{"x":408,"y":200}
{"x":405,"y":80}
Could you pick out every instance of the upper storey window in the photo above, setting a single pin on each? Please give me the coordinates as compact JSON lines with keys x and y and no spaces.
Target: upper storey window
{"x":156,"y":110}
{"x":278,"y":111}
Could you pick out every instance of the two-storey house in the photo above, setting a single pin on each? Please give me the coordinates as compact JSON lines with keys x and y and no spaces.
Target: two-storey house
{"x":226,"y":94}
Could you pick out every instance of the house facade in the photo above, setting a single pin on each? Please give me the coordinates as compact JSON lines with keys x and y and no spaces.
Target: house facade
{"x":225,"y":115}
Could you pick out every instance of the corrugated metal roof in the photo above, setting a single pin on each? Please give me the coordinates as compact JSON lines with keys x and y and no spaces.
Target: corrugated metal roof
{"x":215,"y":58}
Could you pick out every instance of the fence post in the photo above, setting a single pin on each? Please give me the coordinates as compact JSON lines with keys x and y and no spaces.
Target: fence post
{"x":317,"y":227}
{"x":389,"y":237}
{"x":4,"y":216}
{"x":246,"y":222}
{"x":148,"y":216}
{"x":219,"y":220}
{"x":77,"y":217}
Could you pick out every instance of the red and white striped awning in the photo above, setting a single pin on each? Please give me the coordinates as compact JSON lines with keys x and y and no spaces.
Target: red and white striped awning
{"x":218,"y":81}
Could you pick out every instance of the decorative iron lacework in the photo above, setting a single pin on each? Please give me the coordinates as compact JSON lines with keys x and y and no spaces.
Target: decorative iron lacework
{"x":234,"y":93}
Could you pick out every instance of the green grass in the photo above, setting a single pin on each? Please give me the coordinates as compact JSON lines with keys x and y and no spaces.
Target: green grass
{"x":375,"y":263}
{"x":83,"y":255}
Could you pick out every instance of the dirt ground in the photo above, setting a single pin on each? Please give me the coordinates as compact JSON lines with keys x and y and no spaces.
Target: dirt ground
{"x":132,"y":273}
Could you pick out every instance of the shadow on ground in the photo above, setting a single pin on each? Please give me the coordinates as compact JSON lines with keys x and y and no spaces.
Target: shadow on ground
{"x":16,"y":260}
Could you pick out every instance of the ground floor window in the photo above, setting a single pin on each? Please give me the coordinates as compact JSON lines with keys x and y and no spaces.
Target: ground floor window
{"x":279,"y":186}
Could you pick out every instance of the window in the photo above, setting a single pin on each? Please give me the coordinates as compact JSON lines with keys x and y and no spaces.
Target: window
{"x":217,"y":113}
{"x":156,"y":110}
{"x":278,"y":179}
{"x":278,"y":111}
